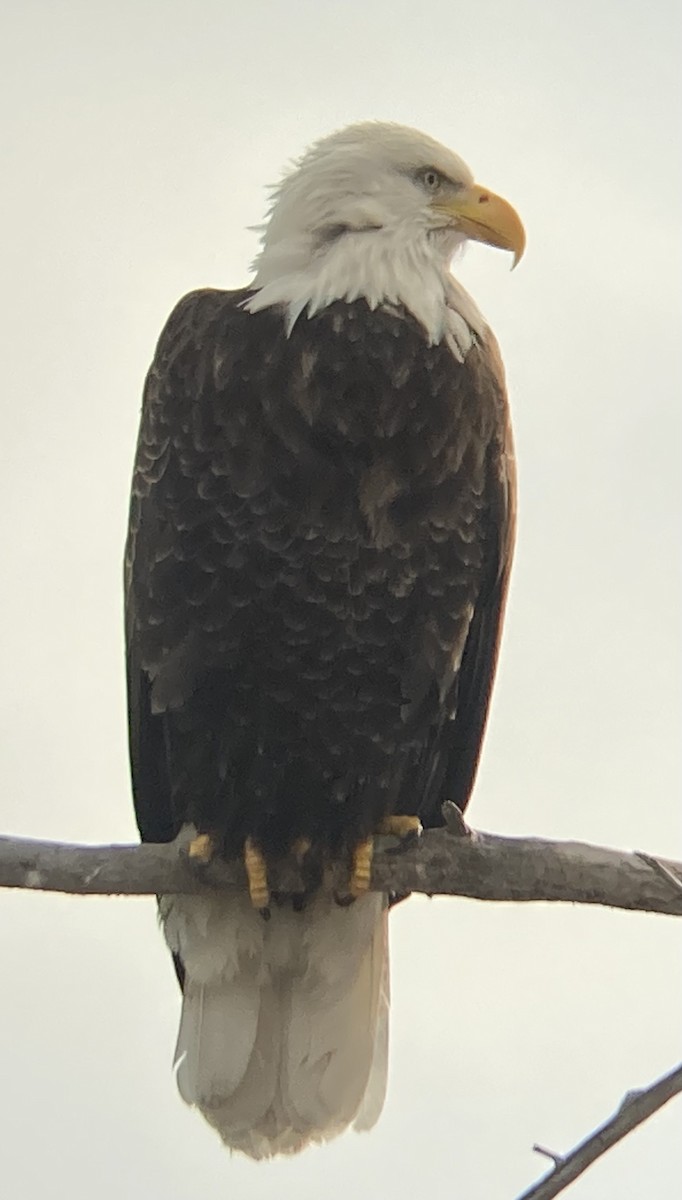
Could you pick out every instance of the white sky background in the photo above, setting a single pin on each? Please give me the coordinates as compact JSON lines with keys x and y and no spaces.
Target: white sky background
{"x":137,"y":140}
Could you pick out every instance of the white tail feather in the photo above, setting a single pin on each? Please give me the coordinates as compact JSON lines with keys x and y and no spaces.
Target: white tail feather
{"x":206,"y":1024}
{"x":283,"y":1037}
{"x":373,"y":1100}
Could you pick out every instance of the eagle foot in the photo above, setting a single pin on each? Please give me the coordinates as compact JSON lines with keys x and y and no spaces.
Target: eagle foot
{"x":203,"y":849}
{"x":406,"y":829}
{"x":257,"y":876}
{"x":360,"y":873}
{"x":361,"y":867}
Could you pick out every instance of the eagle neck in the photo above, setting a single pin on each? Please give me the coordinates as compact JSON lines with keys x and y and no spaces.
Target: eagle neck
{"x":379,"y":266}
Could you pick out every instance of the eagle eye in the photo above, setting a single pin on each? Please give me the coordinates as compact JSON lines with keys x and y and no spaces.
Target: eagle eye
{"x":431,"y":178}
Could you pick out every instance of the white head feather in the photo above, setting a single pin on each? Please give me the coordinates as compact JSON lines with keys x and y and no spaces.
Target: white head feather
{"x":354,"y":219}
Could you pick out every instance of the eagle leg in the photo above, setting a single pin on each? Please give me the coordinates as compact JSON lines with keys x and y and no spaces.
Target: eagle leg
{"x":406,"y":829}
{"x":257,"y":875}
{"x":203,"y":848}
{"x":361,"y":868}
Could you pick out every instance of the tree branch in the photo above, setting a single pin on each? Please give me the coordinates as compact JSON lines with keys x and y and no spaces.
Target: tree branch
{"x":442,"y":862}
{"x":636,"y":1107}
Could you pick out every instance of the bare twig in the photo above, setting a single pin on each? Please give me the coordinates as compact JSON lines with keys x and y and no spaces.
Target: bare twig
{"x":557,"y":1159}
{"x":658,"y":865}
{"x":635,"y":1108}
{"x":454,"y":820}
{"x":481,"y":866}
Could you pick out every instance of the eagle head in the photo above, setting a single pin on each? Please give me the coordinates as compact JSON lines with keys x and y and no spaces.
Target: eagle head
{"x":376,"y":210}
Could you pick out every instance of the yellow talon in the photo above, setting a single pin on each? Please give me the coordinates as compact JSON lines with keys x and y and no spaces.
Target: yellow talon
{"x":361,"y":868}
{"x":257,"y":875}
{"x":203,"y":847}
{"x":400,"y":826}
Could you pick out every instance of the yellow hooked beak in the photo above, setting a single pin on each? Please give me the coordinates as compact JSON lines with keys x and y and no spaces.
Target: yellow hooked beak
{"x":485,"y":217}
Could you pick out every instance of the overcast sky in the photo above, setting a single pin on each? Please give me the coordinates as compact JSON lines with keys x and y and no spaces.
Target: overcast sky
{"x":137,"y":142}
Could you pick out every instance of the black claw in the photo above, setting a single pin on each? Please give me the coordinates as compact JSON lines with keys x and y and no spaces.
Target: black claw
{"x":343,"y":899}
{"x":196,"y":865}
{"x":404,"y":843}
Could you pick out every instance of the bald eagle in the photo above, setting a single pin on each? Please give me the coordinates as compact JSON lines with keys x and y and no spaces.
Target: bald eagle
{"x":320,"y":538}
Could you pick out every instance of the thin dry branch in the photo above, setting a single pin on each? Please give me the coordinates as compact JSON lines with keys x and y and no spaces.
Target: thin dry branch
{"x":481,"y":865}
{"x":636,"y":1107}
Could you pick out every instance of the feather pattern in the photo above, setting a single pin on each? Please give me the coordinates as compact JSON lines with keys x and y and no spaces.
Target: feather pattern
{"x":306,"y":576}
{"x":278,"y":1040}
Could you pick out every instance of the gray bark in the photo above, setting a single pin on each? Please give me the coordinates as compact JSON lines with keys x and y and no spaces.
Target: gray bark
{"x":442,"y":862}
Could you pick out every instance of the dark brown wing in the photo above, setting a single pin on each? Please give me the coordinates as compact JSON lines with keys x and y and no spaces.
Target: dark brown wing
{"x":458,"y":742}
{"x":150,"y":534}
